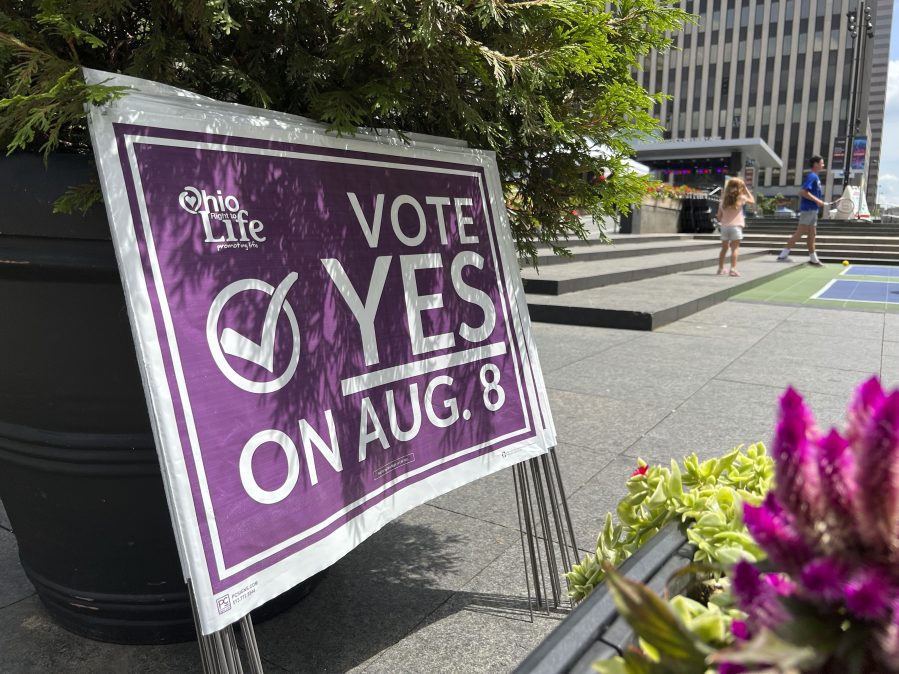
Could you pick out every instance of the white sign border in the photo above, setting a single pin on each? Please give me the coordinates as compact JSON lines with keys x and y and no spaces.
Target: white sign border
{"x":279,"y":577}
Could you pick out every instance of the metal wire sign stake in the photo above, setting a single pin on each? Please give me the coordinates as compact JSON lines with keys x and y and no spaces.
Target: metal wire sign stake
{"x":542,"y":513}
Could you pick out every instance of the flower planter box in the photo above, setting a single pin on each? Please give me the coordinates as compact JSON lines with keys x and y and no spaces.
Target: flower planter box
{"x":593,"y":631}
{"x":657,"y":216}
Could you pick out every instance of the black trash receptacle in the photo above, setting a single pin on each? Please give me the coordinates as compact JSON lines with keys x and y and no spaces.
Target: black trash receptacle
{"x":696,"y":215}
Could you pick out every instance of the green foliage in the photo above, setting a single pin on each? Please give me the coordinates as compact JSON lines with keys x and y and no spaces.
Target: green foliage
{"x":538,"y":82}
{"x":705,"y":496}
{"x":766,"y":205}
{"x":675,"y":638}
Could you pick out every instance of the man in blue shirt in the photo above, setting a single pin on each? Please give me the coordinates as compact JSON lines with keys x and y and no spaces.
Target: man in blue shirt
{"x":810,"y":200}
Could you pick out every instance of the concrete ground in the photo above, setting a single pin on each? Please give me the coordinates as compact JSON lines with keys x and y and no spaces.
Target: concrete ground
{"x":442,"y":588}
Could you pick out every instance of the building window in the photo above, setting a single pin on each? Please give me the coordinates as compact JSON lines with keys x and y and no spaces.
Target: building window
{"x":825,"y":135}
{"x":756,"y":48}
{"x":775,"y":176}
{"x":791,"y":177}
{"x":819,"y":41}
{"x":828,"y":110}
{"x":800,"y":48}
{"x":744,"y":16}
{"x":716,"y":19}
{"x":729,"y":22}
{"x":787,"y":47}
{"x":803,"y":9}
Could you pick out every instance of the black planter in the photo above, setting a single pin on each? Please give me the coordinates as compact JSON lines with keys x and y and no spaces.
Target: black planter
{"x":594,"y":631}
{"x":79,"y":474}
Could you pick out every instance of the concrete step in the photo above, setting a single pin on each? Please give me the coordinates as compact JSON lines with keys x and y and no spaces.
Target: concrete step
{"x":620,"y":248}
{"x":820,"y":238}
{"x":874,"y":248}
{"x":837,"y":253}
{"x":848,"y":230}
{"x":575,"y":276}
{"x":651,"y":303}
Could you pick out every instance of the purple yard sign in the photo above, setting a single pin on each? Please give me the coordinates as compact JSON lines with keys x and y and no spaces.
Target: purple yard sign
{"x":331,"y":331}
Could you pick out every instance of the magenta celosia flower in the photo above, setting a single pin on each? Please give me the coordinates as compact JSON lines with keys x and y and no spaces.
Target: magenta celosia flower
{"x":769,"y":526}
{"x":865,"y":399}
{"x":740,"y":630}
{"x":730,"y":668}
{"x":797,"y":485}
{"x":869,"y":594}
{"x":824,"y":578}
{"x":781,"y":584}
{"x":877,"y":510}
{"x":836,"y":471}
{"x":757,"y":596}
{"x":888,"y":640}
{"x":747,"y":582}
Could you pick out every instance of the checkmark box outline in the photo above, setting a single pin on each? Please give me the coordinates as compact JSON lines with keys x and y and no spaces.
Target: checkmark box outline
{"x":262,"y":353}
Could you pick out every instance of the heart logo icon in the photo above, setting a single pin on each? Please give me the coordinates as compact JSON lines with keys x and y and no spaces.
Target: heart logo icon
{"x":189,"y":199}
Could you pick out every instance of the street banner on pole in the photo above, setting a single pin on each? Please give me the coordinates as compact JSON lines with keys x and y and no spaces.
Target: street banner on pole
{"x":837,"y":162}
{"x":331,"y":330}
{"x":859,"y":151}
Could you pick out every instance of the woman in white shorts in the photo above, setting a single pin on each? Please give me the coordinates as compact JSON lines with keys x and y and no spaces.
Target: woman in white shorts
{"x":731,"y":220}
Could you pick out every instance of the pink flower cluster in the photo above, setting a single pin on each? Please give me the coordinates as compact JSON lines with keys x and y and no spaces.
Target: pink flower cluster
{"x":830,"y":527}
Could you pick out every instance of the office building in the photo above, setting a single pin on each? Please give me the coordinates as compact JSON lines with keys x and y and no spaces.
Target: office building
{"x":766,"y":84}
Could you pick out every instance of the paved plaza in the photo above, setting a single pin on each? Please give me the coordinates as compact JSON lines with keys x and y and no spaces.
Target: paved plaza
{"x":442,"y":588}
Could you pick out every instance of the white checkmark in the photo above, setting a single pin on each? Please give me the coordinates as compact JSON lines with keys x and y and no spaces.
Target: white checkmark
{"x":263,"y":353}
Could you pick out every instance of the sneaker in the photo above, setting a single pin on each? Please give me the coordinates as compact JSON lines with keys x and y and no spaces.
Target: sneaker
{"x":816,"y":262}
{"x":783,"y":259}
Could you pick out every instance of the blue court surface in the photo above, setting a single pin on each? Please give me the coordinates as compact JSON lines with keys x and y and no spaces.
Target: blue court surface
{"x":870,"y":270}
{"x":844,"y":290}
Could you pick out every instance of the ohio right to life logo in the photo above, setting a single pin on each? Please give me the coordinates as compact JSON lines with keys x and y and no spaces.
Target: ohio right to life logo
{"x":225,"y":224}
{"x":256,"y":345}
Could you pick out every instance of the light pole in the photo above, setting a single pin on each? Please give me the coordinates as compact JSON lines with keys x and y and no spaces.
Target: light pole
{"x":859,"y":46}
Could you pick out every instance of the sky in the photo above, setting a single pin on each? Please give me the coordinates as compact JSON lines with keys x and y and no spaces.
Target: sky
{"x":888,"y":186}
